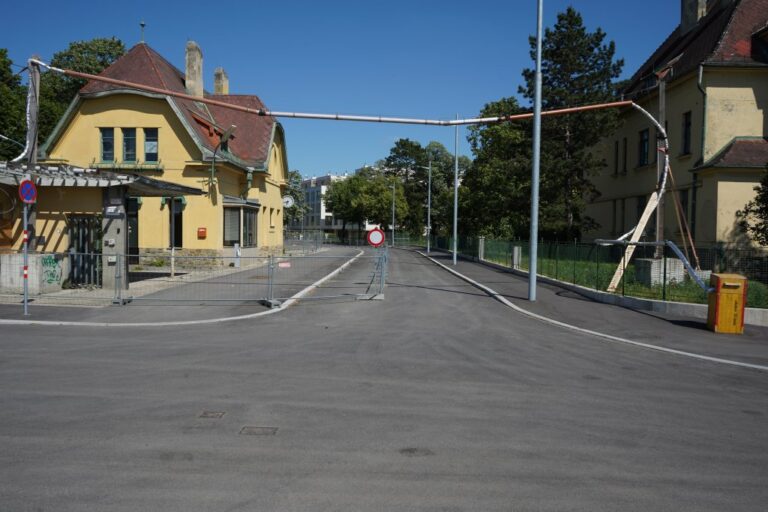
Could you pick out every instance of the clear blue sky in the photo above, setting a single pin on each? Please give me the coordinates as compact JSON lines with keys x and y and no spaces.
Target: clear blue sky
{"x":414,"y":58}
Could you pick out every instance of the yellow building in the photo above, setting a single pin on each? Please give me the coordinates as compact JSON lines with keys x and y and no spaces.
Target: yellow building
{"x":185,"y":142}
{"x":715,"y":72}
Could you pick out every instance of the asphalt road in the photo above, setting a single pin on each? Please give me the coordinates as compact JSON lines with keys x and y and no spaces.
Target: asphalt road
{"x":438,"y":398}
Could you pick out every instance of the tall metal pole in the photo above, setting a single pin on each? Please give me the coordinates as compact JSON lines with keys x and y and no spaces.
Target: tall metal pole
{"x":26,"y":260}
{"x":429,"y":205}
{"x":534,"y":236}
{"x":661,"y":162}
{"x":393,"y":215}
{"x":32,"y":112}
{"x":455,"y":193}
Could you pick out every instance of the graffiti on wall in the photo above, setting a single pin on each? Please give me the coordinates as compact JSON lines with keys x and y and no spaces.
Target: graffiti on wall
{"x":51,"y":269}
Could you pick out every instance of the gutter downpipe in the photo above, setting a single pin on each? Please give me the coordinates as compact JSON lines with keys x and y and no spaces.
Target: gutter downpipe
{"x":695,"y":184}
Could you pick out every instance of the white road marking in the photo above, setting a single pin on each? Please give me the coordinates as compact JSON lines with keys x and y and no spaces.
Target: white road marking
{"x":604,"y":336}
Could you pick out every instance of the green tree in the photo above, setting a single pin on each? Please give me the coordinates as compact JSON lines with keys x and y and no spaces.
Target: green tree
{"x":578,"y":68}
{"x":408,"y":162}
{"x":299,"y":208}
{"x":754,"y":217}
{"x":498,"y":184}
{"x":12,"y":108}
{"x":366,"y":196}
{"x":57,"y":91}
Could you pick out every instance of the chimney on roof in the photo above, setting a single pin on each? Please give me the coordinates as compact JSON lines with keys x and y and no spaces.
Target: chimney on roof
{"x":691,"y":11}
{"x":194,"y":70}
{"x":220,"y":81}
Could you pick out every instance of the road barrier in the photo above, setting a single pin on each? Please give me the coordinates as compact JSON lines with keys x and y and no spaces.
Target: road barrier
{"x":178,"y":278}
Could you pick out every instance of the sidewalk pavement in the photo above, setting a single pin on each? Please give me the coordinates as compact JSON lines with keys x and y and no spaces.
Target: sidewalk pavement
{"x":164,"y":305}
{"x":686,"y":334}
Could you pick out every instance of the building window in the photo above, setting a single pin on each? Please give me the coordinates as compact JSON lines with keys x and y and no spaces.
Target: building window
{"x":643,"y":147}
{"x":271,"y":217}
{"x":687,"y":133}
{"x":231,"y":226}
{"x":107,"y":144}
{"x":616,"y":158}
{"x":249,"y":227}
{"x":129,"y":144}
{"x":150,"y":144}
{"x":624,"y":156}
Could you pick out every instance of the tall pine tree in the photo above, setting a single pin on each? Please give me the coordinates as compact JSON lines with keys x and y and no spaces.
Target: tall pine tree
{"x":578,"y":68}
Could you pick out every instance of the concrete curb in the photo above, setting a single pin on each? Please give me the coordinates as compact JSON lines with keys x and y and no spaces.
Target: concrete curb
{"x":607,"y":337}
{"x":752,"y":316}
{"x":285,"y":305}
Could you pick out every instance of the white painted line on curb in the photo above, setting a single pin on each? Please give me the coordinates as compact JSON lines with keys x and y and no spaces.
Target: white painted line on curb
{"x":285,"y":305}
{"x":604,"y":336}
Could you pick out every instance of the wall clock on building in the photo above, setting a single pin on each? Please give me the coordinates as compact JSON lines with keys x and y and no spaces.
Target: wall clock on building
{"x":288,"y":201}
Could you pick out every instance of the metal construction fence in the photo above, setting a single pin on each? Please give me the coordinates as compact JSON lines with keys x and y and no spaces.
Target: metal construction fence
{"x":646,"y":276}
{"x":314,"y":239}
{"x":175,"y":279}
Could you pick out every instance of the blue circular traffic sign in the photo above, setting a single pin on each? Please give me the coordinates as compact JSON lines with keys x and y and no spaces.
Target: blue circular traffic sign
{"x":28,"y":191}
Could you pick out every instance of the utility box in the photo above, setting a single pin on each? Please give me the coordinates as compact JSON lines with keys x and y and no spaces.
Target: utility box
{"x":726,"y":303}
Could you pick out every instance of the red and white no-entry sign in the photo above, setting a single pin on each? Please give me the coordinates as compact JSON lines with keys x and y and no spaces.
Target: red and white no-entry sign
{"x":375,"y":237}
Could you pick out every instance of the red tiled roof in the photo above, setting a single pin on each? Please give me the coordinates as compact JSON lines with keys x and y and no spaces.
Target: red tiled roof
{"x":742,"y":152}
{"x":723,"y":37}
{"x":143,"y":65}
{"x":736,"y":45}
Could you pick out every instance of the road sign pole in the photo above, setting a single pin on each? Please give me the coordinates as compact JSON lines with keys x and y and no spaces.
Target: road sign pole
{"x":26,"y":260}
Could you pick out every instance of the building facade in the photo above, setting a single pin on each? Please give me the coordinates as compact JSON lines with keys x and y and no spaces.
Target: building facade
{"x":712,"y":76}
{"x":237,"y":158}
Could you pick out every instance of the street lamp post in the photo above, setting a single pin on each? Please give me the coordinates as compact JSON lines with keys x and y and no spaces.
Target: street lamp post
{"x":456,"y":194}
{"x":429,"y":205}
{"x":534,"y":245}
{"x":393,"y":214}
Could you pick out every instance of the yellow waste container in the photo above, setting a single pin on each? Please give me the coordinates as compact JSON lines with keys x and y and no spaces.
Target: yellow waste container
{"x":726,"y":303}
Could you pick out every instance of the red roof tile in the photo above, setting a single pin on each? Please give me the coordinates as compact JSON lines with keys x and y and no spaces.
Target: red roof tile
{"x":742,"y":152}
{"x":723,"y":37}
{"x":735,"y":46}
{"x":143,"y":65}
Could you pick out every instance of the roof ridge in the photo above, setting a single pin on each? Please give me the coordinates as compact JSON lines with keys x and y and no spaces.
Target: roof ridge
{"x":726,"y":29}
{"x":145,"y":46}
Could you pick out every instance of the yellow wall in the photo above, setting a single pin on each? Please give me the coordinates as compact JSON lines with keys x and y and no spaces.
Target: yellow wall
{"x":54,"y":204}
{"x":80,"y":145}
{"x":736,"y":106}
{"x":682,"y":97}
{"x":737,"y":101}
{"x":734,"y":189}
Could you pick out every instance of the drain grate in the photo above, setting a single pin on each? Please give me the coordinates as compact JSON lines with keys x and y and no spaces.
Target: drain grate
{"x":258,"y":431}
{"x":212,"y":414}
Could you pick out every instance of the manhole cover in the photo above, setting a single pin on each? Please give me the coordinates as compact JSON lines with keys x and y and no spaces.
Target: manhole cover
{"x":258,"y":431}
{"x":212,"y":414}
{"x":416,"y":452}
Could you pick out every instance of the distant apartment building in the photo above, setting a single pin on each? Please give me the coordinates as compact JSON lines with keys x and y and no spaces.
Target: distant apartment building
{"x":317,"y":216}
